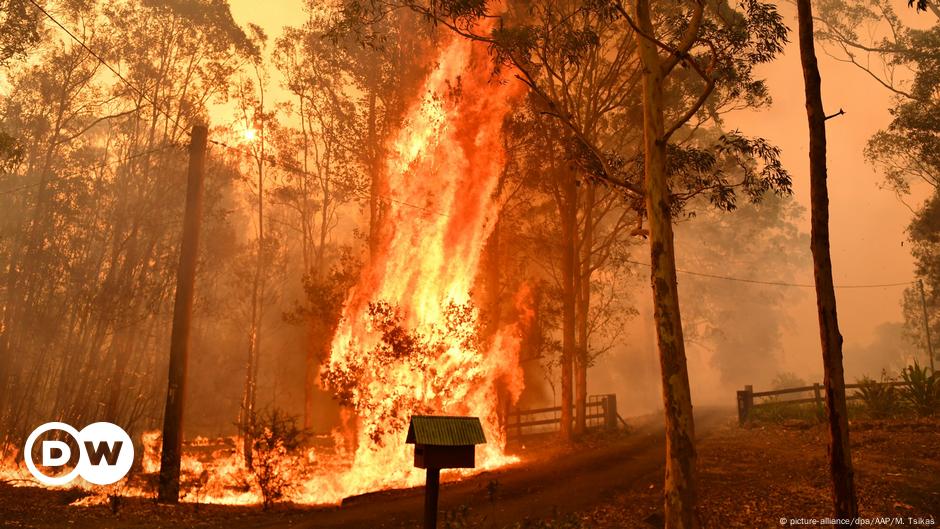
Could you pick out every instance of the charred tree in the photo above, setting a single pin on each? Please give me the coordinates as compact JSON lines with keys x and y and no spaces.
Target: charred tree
{"x":169,"y":486}
{"x":840,"y":458}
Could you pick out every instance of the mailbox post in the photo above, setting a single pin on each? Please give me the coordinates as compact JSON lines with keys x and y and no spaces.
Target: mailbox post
{"x":442,"y":442}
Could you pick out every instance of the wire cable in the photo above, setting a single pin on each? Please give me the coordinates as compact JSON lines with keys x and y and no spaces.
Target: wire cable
{"x":113,"y":70}
{"x":772,"y":283}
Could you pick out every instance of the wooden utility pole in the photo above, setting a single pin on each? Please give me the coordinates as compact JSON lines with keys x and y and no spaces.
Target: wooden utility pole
{"x":840,"y":457}
{"x":169,"y":487}
{"x":923,"y":305}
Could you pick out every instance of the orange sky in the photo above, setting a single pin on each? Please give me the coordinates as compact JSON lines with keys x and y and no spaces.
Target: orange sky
{"x":867,"y":223}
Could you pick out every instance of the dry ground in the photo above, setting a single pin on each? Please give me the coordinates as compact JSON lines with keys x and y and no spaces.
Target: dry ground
{"x":753,"y":477}
{"x":750,"y":478}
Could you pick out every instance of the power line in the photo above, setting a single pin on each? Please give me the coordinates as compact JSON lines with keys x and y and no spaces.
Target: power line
{"x":773,"y":283}
{"x":111,"y":68}
{"x":179,"y":126}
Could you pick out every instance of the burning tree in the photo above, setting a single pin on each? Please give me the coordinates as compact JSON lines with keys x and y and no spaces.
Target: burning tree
{"x":439,"y":353}
{"x":422,"y":351}
{"x":717,"y":48}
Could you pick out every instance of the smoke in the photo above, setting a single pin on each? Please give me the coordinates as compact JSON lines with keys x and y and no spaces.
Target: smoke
{"x":886,"y":353}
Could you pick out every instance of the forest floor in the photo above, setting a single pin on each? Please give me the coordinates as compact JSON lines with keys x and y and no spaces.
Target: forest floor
{"x":749,"y":478}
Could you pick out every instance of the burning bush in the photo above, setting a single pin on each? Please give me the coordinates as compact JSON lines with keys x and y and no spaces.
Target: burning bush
{"x":433,"y":356}
{"x":275,"y":438}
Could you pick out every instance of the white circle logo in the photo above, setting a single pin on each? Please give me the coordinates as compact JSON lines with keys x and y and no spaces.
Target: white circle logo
{"x":106,"y":453}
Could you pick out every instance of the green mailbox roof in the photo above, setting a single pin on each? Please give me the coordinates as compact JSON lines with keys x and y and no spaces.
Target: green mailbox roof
{"x":441,"y":430}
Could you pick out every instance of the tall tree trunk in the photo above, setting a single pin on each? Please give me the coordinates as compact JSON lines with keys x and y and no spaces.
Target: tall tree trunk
{"x":585,"y":245}
{"x":492,"y":313}
{"x":311,"y":360}
{"x":257,"y":303}
{"x":254,"y":335}
{"x":376,"y":183}
{"x":680,"y":486}
{"x":311,"y":371}
{"x":840,"y":457}
{"x":569,"y":272}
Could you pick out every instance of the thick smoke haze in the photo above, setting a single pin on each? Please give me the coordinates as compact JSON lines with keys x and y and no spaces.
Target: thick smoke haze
{"x":868,"y":224}
{"x":314,"y":253}
{"x":741,"y":327}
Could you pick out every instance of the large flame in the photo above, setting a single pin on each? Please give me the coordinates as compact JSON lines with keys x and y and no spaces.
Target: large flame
{"x":442,"y":177}
{"x":409,"y":339}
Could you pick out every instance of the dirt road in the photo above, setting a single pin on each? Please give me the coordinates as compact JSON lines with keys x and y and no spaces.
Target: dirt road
{"x":551,"y":482}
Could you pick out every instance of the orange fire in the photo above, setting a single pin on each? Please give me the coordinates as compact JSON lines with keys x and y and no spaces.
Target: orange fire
{"x":408,"y":341}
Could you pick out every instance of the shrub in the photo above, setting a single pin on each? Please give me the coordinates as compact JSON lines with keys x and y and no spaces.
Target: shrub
{"x":274,"y":437}
{"x":880,"y":400}
{"x":922,"y":391}
{"x":787,"y":380}
{"x":777,"y":411}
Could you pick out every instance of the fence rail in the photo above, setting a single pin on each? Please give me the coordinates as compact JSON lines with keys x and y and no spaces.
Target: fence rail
{"x":600,"y":413}
{"x":747,"y":395}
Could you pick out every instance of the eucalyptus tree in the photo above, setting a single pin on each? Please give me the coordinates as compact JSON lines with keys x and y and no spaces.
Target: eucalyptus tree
{"x":19,"y":32}
{"x":323,"y":172}
{"x":387,"y":52}
{"x":694,"y":60}
{"x":19,"y":29}
{"x":761,"y":242}
{"x":904,"y":60}
{"x":840,"y":457}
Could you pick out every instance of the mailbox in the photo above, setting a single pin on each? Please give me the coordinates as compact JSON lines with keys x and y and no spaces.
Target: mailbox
{"x":445,"y":442}
{"x":442,"y":442}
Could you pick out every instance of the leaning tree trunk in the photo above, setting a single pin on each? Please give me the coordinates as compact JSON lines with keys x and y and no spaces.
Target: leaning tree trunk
{"x":680,"y":486}
{"x":840,"y":457}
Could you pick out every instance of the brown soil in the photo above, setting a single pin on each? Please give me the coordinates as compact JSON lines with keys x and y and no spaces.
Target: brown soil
{"x":750,"y":478}
{"x":753,"y":477}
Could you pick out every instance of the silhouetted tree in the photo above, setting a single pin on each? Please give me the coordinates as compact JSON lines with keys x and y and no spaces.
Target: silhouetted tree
{"x":840,"y":457}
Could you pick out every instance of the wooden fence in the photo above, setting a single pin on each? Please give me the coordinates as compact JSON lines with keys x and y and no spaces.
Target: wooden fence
{"x":746,"y":397}
{"x":601,"y":413}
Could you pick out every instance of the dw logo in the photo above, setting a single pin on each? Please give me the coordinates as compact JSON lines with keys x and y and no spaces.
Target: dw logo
{"x":106,"y":453}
